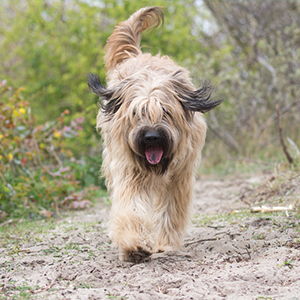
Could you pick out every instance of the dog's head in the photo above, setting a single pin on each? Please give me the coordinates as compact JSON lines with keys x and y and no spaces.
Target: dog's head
{"x":154,"y":115}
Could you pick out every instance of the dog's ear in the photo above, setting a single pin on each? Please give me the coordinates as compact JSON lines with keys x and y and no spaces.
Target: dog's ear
{"x":195,"y":100}
{"x":200,"y":100}
{"x":112,"y":103}
{"x":97,"y":88}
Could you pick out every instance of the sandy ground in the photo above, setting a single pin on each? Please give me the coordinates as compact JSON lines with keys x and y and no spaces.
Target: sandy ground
{"x":226,"y":255}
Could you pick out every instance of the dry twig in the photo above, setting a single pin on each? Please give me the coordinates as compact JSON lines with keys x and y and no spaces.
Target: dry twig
{"x":287,"y":154}
{"x":199,"y":241}
{"x":264,"y":208}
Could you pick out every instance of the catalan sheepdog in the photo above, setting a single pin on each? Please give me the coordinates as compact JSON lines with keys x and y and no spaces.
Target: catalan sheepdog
{"x":152,"y":124}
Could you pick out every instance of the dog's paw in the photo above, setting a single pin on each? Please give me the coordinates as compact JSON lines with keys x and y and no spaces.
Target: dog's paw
{"x":137,"y":256}
{"x":161,"y":249}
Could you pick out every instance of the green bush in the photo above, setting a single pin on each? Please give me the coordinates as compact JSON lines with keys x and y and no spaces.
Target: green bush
{"x":38,"y":172}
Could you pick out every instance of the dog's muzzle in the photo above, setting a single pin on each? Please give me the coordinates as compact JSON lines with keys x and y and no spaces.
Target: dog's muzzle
{"x":153,"y":147}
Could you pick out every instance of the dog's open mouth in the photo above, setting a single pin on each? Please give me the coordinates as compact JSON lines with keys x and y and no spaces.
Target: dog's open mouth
{"x":154,"y":154}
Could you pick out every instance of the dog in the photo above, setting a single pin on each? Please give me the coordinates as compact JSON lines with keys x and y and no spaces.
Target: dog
{"x":152,"y":124}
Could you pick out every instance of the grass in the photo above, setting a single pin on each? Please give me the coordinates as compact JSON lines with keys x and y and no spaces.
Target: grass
{"x":233,"y":218}
{"x":111,"y":296}
{"x":83,"y":285}
{"x":15,"y":243}
{"x":279,"y":220}
{"x":25,"y":232}
{"x":14,"y":237}
{"x":17,"y":291}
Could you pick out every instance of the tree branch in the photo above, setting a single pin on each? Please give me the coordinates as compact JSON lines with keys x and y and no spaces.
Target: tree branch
{"x":287,"y":154}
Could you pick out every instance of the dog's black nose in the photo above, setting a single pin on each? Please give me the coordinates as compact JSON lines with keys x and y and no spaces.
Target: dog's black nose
{"x":152,"y":137}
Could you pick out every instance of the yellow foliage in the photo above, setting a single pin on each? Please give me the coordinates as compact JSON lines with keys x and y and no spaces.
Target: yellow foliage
{"x":22,"y":110}
{"x":56,"y":134}
{"x":15,"y":113}
{"x":10,"y":156}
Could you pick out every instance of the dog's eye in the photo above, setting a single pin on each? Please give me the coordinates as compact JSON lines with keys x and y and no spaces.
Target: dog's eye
{"x":134,"y":115}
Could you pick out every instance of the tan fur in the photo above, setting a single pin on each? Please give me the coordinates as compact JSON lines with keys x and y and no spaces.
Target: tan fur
{"x":150,"y":209}
{"x":125,"y":40}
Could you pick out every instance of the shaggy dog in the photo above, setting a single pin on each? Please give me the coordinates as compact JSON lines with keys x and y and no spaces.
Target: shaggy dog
{"x":153,"y":129}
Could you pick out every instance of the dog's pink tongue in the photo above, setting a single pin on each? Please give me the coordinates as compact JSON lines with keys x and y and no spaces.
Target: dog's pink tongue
{"x":154,"y":154}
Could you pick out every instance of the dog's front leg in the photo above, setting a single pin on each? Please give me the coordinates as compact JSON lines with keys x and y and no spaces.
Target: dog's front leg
{"x":128,"y":229}
{"x":171,"y":215}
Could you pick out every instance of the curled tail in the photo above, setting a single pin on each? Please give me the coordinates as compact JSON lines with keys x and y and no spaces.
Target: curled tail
{"x":125,"y":39}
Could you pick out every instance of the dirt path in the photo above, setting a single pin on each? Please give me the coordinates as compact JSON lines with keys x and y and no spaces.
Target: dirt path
{"x":226,"y":256}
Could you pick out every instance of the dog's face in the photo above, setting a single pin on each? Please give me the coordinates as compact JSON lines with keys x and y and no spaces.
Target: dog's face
{"x":153,"y":129}
{"x":153,"y":116}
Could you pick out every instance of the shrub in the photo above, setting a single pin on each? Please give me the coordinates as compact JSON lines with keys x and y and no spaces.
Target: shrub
{"x":38,"y":172}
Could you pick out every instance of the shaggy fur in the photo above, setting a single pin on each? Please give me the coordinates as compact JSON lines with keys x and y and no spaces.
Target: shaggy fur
{"x":153,"y":129}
